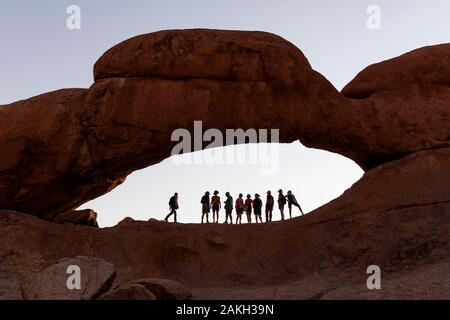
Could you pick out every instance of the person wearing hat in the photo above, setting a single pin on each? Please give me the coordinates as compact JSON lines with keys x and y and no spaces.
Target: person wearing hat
{"x":173,"y":205}
{"x":281,"y":203}
{"x":257,"y":206}
{"x":292,"y":201}
{"x":205,"y":206}
{"x":239,"y":208}
{"x":215,"y":203}
{"x":228,"y":208}
{"x":269,"y":206}
{"x":248,"y":208}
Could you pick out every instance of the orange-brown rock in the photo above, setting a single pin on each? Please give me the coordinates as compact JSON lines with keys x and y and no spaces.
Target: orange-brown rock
{"x":45,"y":167}
{"x":41,"y":167}
{"x":400,"y":121}
{"x":126,"y":221}
{"x":424,"y":66}
{"x":206,"y":54}
{"x":85,"y":217}
{"x":152,"y":84}
{"x":404,"y":103}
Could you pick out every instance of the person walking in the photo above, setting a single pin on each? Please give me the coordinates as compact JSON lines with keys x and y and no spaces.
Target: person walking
{"x":173,"y":206}
{"x":269,"y":206}
{"x":215,"y":204}
{"x":205,"y":206}
{"x":248,"y":208}
{"x":292,"y":201}
{"x":228,"y":208}
{"x":257,"y":206}
{"x":239,"y":208}
{"x":281,"y":203}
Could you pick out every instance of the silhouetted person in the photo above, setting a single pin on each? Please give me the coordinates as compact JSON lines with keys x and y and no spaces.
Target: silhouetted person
{"x":292,"y":201}
{"x":248,"y":208}
{"x":257,"y":208}
{"x":173,"y":205}
{"x":205,"y":206}
{"x":269,"y":206}
{"x":228,"y":208}
{"x":281,"y":203}
{"x":239,"y":208}
{"x":215,"y":203}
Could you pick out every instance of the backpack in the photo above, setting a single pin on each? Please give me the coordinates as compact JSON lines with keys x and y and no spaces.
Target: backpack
{"x":172,"y":201}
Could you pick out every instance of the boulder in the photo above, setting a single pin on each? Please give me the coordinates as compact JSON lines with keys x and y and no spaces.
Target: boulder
{"x":128,"y":292}
{"x":9,"y":287}
{"x":165,"y":289}
{"x":400,"y":121}
{"x":126,"y":221}
{"x":51,"y":283}
{"x":424,"y":66}
{"x":87,"y":217}
{"x":205,"y":54}
{"x":403,"y":104}
{"x":43,"y":154}
{"x":148,"y":86}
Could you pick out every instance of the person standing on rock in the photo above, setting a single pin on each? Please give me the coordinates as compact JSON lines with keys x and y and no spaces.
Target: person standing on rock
{"x":228,"y":208}
{"x":281,"y":203}
{"x":215,"y":203}
{"x":292,"y":201}
{"x":248,"y":208}
{"x":239,"y":208}
{"x":205,"y":206}
{"x":257,"y":208}
{"x":173,"y":205}
{"x":270,"y":201}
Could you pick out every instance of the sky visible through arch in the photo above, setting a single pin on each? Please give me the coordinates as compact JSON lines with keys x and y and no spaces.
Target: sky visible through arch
{"x":40,"y":54}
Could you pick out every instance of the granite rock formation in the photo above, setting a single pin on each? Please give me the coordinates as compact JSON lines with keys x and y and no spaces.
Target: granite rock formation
{"x":64,"y":148}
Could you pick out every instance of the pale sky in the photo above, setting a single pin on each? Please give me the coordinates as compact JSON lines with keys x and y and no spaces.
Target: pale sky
{"x":39,"y":54}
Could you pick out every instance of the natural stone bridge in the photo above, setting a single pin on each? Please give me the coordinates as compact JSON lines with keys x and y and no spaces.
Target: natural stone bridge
{"x":64,"y":148}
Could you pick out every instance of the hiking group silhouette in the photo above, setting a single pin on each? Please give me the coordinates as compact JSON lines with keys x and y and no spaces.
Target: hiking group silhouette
{"x":240,"y":206}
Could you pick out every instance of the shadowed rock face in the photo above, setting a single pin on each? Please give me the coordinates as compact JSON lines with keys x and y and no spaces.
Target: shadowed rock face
{"x":70,"y":146}
{"x":46,"y":167}
{"x":407,"y":99}
{"x":43,"y":160}
{"x":388,"y":218}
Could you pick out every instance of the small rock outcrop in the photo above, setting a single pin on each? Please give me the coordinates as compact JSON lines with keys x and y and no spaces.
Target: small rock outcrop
{"x":427,"y":66}
{"x":165,"y":289}
{"x":51,"y":283}
{"x":128,"y":292}
{"x":85,"y":217}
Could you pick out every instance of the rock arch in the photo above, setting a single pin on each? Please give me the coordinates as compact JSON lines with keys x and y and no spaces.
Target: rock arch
{"x":66,"y":147}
